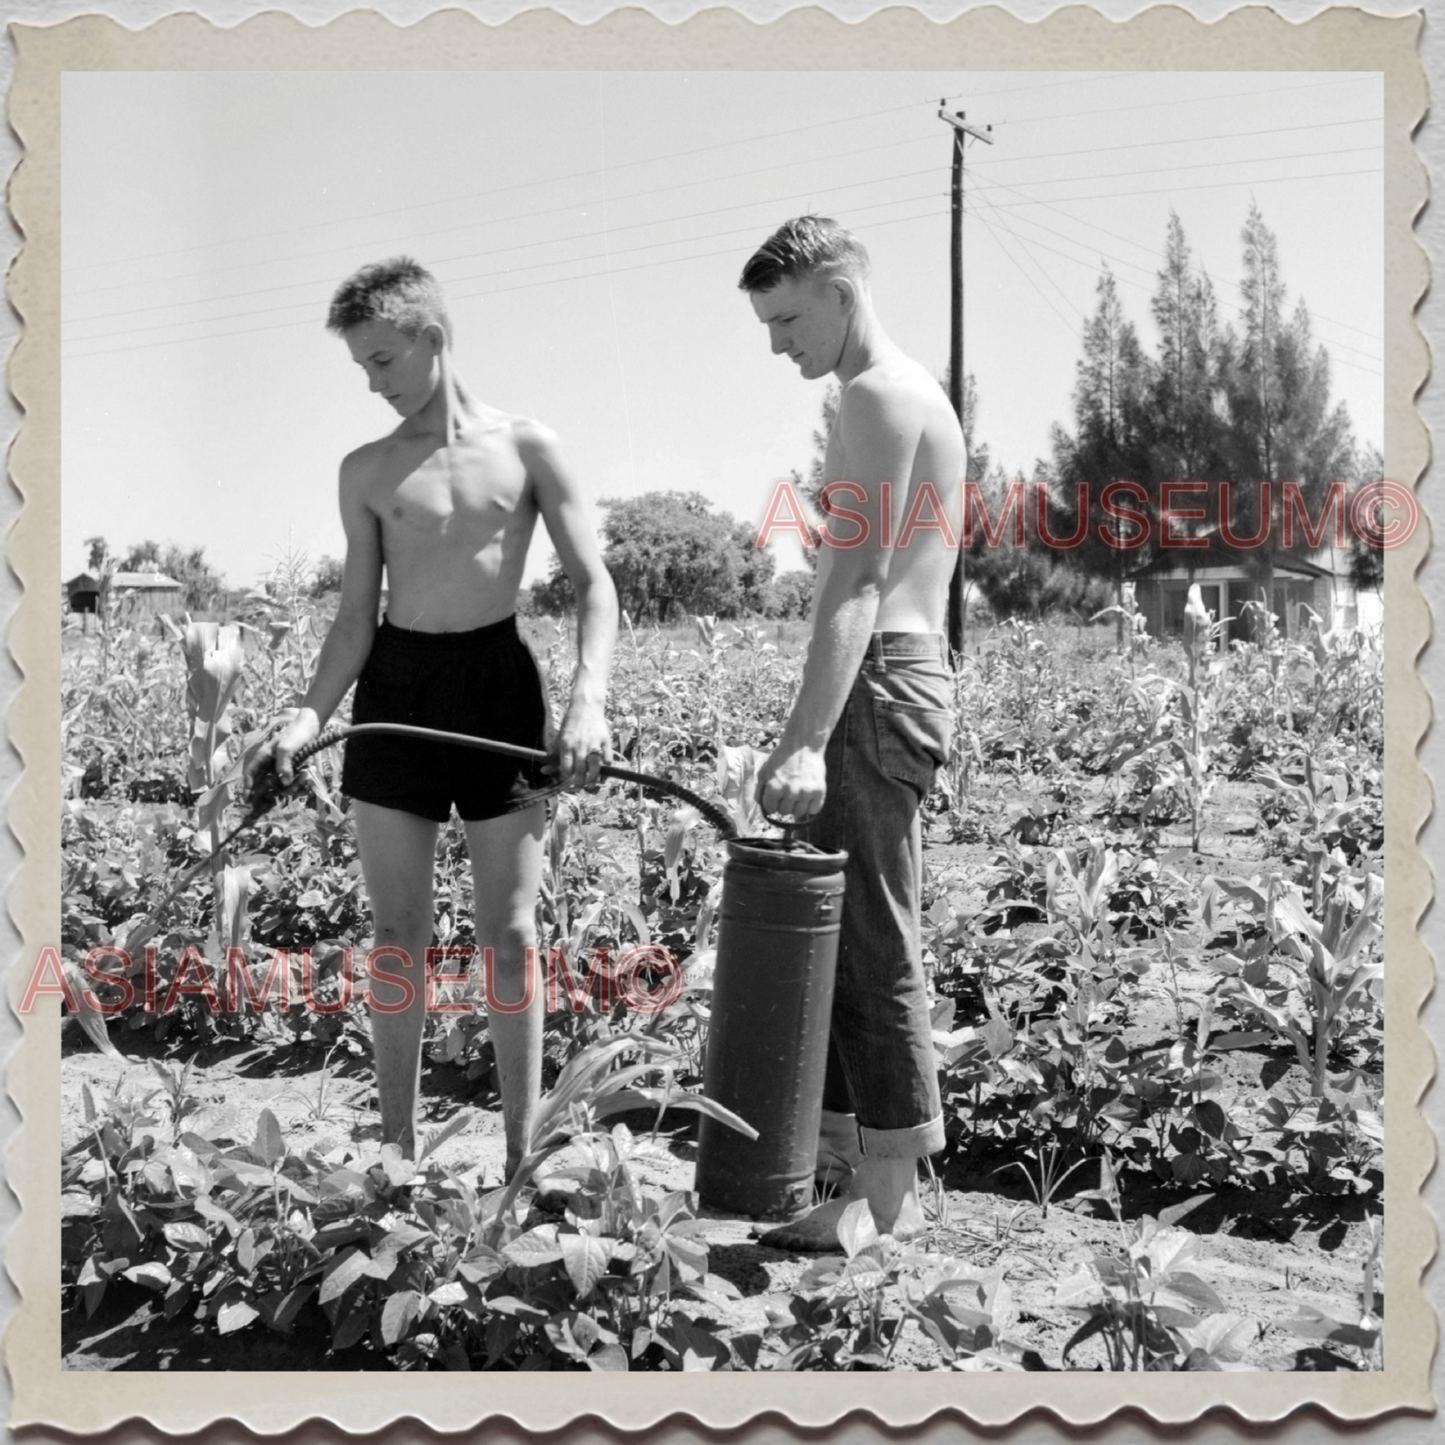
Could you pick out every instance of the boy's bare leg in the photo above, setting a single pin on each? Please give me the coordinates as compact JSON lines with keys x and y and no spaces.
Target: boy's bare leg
{"x":398,"y":857}
{"x":506,"y":873}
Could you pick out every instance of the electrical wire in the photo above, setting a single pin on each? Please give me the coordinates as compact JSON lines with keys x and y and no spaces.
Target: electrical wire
{"x":658,"y":190}
{"x":1131,"y":241}
{"x":469,"y":295}
{"x":639,"y":225}
{"x":1135,"y":266}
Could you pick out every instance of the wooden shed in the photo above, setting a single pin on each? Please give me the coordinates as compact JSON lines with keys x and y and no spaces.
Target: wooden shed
{"x":150,"y":592}
{"x":82,"y":592}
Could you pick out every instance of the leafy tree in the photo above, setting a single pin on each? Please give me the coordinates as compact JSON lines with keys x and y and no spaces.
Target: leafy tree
{"x":1110,"y":443}
{"x":327,"y":577}
{"x":1183,"y":384}
{"x":977,"y":452}
{"x":810,"y":486}
{"x":1367,"y":562}
{"x":669,"y":554}
{"x":791,"y":595}
{"x":1230,"y":409}
{"x":200,"y":582}
{"x":99,"y":554}
{"x":1280,"y":424}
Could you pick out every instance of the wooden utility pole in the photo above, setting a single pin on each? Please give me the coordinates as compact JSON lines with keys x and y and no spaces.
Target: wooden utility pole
{"x":961,"y":128}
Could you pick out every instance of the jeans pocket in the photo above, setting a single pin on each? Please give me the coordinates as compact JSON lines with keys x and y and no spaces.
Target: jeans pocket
{"x":913,"y":740}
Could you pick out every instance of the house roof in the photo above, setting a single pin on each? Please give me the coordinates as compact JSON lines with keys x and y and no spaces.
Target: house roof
{"x":83,"y":581}
{"x":142,"y":580}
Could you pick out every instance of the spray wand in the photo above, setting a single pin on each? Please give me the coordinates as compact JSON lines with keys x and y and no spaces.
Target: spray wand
{"x":268,"y":791}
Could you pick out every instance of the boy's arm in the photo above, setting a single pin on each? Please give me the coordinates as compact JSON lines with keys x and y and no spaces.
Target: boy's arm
{"x":348,"y":640}
{"x":583,"y":743}
{"x":879,"y":430}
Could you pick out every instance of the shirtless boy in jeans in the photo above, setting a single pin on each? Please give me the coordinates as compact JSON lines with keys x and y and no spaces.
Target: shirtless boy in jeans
{"x":446,"y":503}
{"x":873,"y":718}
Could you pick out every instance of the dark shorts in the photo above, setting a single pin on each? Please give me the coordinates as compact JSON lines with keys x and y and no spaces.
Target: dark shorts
{"x":485,"y":683}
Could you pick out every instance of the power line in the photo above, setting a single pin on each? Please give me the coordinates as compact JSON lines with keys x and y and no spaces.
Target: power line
{"x":490,"y":291}
{"x":501,"y":190}
{"x":1256,"y":181}
{"x":568,"y":207}
{"x":1149,"y":250}
{"x":575,"y":175}
{"x":469,"y":256}
{"x":473,"y":256}
{"x":1123,"y":261}
{"x":1203,"y":186}
{"x":1069,"y":325}
{"x":1140,"y":286}
{"x":687,"y":240}
{"x":500,"y":250}
{"x":1013,"y":158}
{"x":522,"y":185}
{"x":1195,"y":99}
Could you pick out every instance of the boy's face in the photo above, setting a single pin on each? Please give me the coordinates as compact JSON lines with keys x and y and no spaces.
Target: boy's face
{"x":403,"y":369}
{"x":807,"y":320}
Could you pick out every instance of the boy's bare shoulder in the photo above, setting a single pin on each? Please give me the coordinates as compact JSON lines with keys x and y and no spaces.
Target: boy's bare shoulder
{"x":536,"y":444}
{"x":895,"y":390}
{"x":359,"y":464}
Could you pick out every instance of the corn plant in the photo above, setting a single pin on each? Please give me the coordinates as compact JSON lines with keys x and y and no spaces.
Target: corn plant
{"x":215,"y":660}
{"x":1333,"y":978}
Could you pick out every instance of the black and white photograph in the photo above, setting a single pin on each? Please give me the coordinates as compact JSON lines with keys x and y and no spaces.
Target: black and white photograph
{"x":723,"y":721}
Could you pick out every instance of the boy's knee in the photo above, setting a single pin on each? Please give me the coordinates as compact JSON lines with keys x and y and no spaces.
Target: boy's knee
{"x":403,"y":927}
{"x":508,"y":935}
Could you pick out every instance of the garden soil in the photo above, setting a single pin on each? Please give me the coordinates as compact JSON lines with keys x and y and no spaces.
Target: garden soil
{"x":1265,"y":1253}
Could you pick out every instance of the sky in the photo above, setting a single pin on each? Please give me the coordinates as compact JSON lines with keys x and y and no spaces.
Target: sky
{"x":589,"y":229}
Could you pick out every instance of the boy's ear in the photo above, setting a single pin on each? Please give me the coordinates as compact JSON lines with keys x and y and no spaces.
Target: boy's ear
{"x":436,"y":336}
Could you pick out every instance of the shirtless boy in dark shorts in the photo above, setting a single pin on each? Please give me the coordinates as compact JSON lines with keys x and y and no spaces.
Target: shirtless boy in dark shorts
{"x":447,"y":503}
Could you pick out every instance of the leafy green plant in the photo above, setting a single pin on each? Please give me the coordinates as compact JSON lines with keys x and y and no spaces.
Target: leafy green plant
{"x":1330,"y":976}
{"x":1137,"y":1299}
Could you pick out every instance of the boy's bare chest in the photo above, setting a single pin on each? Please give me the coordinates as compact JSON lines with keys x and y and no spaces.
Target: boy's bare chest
{"x":468,"y":486}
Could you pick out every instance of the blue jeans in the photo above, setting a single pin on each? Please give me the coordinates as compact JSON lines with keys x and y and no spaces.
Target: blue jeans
{"x":881,"y":759}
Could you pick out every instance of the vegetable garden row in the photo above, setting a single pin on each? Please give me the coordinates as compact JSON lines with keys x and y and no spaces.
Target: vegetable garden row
{"x":1153,"y":924}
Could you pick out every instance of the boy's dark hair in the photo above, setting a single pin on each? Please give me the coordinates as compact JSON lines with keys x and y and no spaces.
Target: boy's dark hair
{"x":805,"y":246}
{"x":399,"y":290}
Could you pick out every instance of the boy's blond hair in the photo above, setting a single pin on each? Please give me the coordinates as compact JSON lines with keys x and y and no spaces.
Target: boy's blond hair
{"x":399,"y":290}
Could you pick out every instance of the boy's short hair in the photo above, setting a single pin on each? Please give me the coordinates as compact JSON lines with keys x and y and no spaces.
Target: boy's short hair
{"x":399,"y":290}
{"x":805,"y":246}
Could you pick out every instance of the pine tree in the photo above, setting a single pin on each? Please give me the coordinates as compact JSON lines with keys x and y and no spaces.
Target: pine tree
{"x":1184,"y":381}
{"x":1281,"y":427}
{"x":1110,"y":441}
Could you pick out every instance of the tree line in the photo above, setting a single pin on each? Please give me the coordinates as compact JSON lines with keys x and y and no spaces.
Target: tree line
{"x":1242,"y":408}
{"x":1243,"y":411}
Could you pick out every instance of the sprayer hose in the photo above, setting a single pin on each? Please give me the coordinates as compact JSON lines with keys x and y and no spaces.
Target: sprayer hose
{"x":333,"y":735}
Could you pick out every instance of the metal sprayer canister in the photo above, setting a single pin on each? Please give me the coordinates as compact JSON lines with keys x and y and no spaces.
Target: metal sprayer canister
{"x":767,"y":1047}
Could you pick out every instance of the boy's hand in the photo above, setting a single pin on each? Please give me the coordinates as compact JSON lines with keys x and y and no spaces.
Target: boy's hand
{"x":581,"y":746}
{"x":299,"y":727}
{"x":794,"y":781}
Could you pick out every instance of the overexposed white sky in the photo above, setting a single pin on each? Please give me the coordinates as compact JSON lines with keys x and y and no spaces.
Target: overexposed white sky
{"x":589,"y":230}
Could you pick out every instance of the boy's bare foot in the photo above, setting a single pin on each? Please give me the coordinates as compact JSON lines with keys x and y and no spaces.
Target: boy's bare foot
{"x":891,"y":1188}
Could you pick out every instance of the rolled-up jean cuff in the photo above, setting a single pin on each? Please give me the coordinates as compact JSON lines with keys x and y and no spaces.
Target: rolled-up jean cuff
{"x":912,"y":1143}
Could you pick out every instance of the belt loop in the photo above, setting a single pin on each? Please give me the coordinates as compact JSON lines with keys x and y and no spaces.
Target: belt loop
{"x":875,"y":647}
